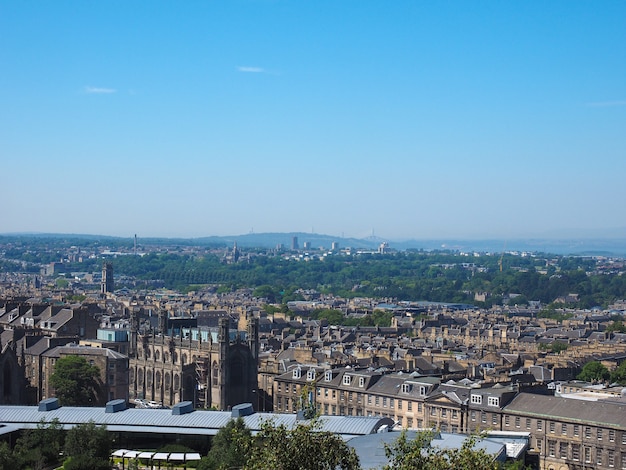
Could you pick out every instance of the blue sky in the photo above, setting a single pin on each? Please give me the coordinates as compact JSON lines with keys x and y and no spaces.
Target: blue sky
{"x":415,"y":119}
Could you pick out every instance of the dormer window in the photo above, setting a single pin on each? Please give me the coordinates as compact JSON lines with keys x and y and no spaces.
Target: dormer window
{"x":297,"y":373}
{"x":328,"y":376}
{"x":476,"y":399}
{"x":346,"y":379}
{"x":493,"y":401}
{"x":361,"y":381}
{"x":422,"y":390}
{"x":406,"y":388}
{"x":310,"y":374}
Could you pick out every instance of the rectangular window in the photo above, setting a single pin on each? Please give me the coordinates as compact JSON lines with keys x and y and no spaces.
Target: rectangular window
{"x":493,"y":401}
{"x":433,"y":411}
{"x":624,"y":438}
{"x":473,"y":415}
{"x":575,"y":451}
{"x":350,"y":396}
{"x":455,"y":414}
{"x":399,"y":404}
{"x":409,"y":422}
{"x":552,"y":448}
{"x":391,"y":403}
{"x":598,"y":457}
{"x":552,"y":427}
{"x":611,"y":458}
{"x":611,"y":435}
{"x":483,"y":417}
{"x":361,"y":381}
{"x":334,"y":410}
{"x":539,"y":425}
{"x":623,"y":460}
{"x":564,"y":429}
{"x":409,"y":406}
{"x":406,"y":388}
{"x":342,"y":395}
{"x":494,"y":419}
{"x":576,"y":430}
{"x":563,"y":450}
{"x":587,"y":432}
{"x":507,"y":421}
{"x":377,"y":400}
{"x":444,"y":412}
{"x":539,"y":445}
{"x":384,"y":402}
{"x":527,"y":423}
{"x":419,"y":408}
{"x":599,"y":434}
{"x":588,"y":454}
{"x":517,"y":422}
{"x":346,"y":379}
{"x":476,"y":399}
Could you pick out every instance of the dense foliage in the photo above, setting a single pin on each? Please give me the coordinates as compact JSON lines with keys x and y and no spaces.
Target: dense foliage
{"x":75,"y":381}
{"x":410,"y":275}
{"x":84,"y":447}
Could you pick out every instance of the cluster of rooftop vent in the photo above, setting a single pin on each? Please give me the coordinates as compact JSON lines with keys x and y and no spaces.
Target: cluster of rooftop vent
{"x":182,"y":408}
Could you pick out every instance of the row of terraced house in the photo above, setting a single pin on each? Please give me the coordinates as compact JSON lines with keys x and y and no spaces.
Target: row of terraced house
{"x":566,"y":433}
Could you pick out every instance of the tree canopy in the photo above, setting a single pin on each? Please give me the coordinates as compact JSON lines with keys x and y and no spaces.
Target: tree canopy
{"x":420,"y":454}
{"x":304,"y":447}
{"x":230,"y":447}
{"x":594,"y":371}
{"x":76,"y":382}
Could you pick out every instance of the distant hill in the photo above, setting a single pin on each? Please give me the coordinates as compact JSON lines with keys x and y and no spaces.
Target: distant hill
{"x":562,"y":246}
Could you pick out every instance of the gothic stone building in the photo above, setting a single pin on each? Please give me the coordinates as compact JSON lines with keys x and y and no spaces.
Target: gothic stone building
{"x":210,"y":367}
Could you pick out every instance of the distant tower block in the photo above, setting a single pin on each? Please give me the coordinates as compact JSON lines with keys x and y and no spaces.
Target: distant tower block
{"x":107,"y":278}
{"x":334,"y":246}
{"x":294,"y":243}
{"x":306,"y":245}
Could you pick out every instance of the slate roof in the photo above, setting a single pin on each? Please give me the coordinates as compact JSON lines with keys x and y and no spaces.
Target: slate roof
{"x":551,"y":407}
{"x":199,"y":422}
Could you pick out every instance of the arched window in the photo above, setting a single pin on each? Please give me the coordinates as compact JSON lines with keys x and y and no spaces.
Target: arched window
{"x":157,"y":354}
{"x":168,"y":380}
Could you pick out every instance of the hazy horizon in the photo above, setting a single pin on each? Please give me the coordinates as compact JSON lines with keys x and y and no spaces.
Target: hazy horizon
{"x":411,"y":120}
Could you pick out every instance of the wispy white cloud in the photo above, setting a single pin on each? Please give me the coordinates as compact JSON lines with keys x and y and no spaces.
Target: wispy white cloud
{"x":604,"y":104}
{"x":246,"y":69}
{"x":99,"y":90}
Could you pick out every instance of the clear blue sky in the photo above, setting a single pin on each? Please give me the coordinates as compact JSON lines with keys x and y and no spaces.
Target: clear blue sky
{"x":415,"y":119}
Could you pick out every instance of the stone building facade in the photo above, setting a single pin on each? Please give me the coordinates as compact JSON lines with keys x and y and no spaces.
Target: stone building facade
{"x":212,"y":367}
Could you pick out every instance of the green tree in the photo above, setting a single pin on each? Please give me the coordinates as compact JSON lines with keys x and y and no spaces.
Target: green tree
{"x":421,"y":454}
{"x":7,"y":459}
{"x":230,"y":447}
{"x":40,"y":447}
{"x":304,"y":447}
{"x":619,"y":374}
{"x":594,"y":371}
{"x":88,"y":440}
{"x":75,"y":381}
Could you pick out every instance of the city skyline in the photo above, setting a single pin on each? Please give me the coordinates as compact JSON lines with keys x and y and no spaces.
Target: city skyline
{"x":415,"y":120}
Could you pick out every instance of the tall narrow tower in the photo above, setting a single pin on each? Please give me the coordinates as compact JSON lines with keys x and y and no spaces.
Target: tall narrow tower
{"x":107,"y":279}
